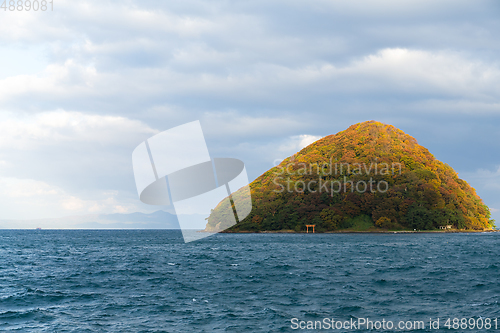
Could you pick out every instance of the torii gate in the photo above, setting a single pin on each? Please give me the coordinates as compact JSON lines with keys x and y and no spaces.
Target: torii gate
{"x":310,"y":225}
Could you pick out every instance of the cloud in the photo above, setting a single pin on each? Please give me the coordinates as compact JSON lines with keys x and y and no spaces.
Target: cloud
{"x":418,"y":71}
{"x":297,"y":142}
{"x":69,"y":19}
{"x":484,"y":178}
{"x":89,"y":81}
{"x":30,"y":199}
{"x":233,"y":124}
{"x":428,"y":76}
{"x":26,"y":188}
{"x":261,"y":156}
{"x":59,"y":127}
{"x":454,"y":106}
{"x":82,"y":156}
{"x":486,"y":182}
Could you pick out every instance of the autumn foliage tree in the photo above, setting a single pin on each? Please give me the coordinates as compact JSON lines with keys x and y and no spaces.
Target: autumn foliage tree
{"x":421,"y":193}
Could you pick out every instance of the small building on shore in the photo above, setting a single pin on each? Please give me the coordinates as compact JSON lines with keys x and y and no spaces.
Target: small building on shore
{"x":444,"y":227}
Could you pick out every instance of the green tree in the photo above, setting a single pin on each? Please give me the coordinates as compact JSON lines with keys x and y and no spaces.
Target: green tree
{"x":331,"y":220}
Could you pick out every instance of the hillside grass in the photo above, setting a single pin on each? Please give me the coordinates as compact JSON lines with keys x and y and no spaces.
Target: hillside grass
{"x":359,"y":223}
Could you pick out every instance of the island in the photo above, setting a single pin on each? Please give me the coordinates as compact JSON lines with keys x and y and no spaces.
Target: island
{"x":371,"y":177}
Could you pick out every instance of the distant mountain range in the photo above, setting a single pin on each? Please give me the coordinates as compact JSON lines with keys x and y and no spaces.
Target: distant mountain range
{"x":157,"y":220}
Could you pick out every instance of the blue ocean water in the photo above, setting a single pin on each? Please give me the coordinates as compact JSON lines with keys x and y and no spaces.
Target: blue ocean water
{"x":150,"y":281}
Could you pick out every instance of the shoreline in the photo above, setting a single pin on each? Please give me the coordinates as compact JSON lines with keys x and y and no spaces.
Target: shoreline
{"x":361,"y":232}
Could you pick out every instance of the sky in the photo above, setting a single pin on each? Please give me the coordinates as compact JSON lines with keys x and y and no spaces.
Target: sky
{"x":83,"y":84}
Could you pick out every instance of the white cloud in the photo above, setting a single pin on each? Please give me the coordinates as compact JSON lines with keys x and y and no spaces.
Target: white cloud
{"x":60,"y":127}
{"x":388,"y":71}
{"x":56,"y":81}
{"x":80,"y":155}
{"x":71,"y":19}
{"x":26,"y":188}
{"x":423,"y":71}
{"x":298,"y":142}
{"x":283,"y":68}
{"x":32,"y":199}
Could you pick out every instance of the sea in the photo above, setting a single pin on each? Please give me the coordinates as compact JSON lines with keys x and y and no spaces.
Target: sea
{"x":151,"y":281}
